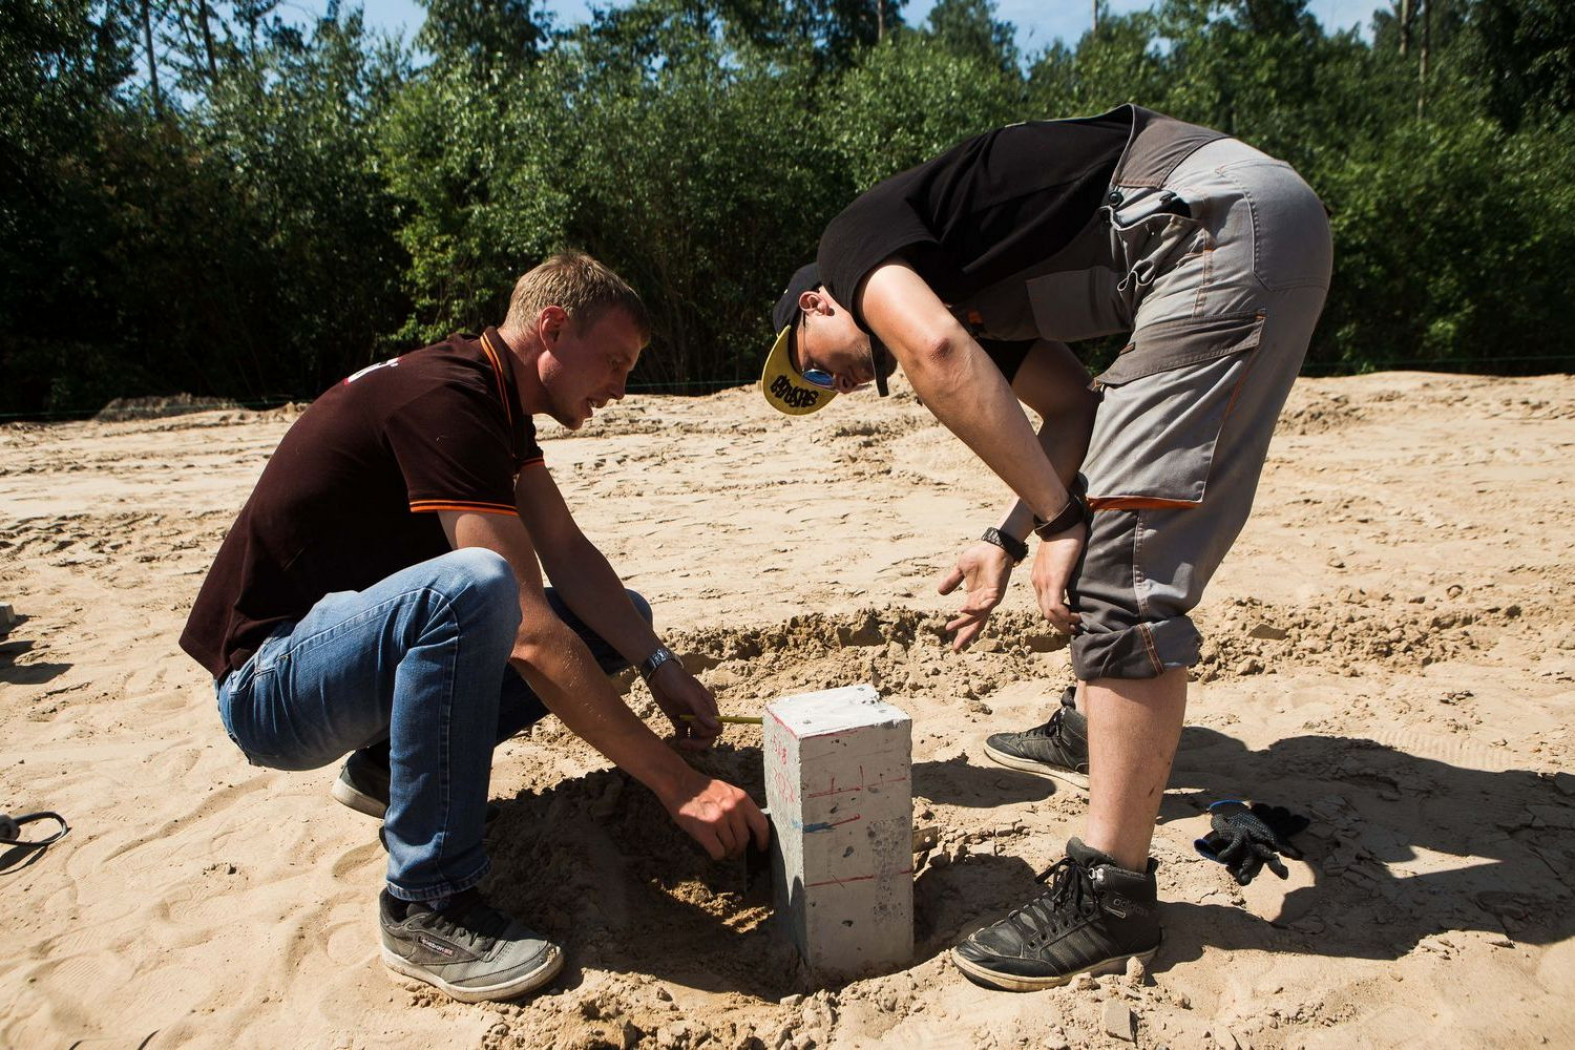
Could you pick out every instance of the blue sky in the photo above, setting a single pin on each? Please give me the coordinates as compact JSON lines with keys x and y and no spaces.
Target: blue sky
{"x":1038,"y":22}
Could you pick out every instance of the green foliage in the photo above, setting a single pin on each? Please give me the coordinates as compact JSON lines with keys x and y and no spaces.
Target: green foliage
{"x":60,"y":64}
{"x":912,"y":98}
{"x":297,"y":200}
{"x":1445,"y":248}
{"x":481,"y":34}
{"x":702,"y":187}
{"x":1120,"y":63}
{"x":969,"y":29}
{"x":289,"y":138}
{"x":473,"y":165}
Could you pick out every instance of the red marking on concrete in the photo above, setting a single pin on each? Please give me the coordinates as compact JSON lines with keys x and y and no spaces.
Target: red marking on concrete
{"x":858,"y":878}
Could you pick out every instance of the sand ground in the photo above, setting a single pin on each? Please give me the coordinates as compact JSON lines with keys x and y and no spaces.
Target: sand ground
{"x":1390,"y":650}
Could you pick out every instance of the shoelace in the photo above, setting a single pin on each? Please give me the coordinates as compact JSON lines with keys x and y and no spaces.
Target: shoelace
{"x":1050,"y":729}
{"x":477,"y":922}
{"x":1070,"y":884}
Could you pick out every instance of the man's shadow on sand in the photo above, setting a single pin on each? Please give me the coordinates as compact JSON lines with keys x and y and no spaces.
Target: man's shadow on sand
{"x":1501,"y":844}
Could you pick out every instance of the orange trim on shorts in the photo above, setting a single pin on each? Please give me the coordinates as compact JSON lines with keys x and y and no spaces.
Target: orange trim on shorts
{"x":428,"y":506}
{"x":1139,"y":503}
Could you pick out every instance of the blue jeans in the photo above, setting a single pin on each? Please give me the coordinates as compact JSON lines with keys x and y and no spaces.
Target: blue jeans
{"x":417,"y":663}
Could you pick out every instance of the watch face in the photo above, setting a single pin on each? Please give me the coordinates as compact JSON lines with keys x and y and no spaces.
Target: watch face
{"x":655,"y":660}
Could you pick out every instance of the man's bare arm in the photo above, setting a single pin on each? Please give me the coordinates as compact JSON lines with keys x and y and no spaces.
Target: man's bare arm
{"x":590,"y":587}
{"x":560,"y":669}
{"x":958,"y":383}
{"x":1053,"y":383}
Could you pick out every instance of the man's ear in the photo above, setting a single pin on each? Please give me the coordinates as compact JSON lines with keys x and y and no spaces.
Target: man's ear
{"x":813,"y":301}
{"x":551,"y":322}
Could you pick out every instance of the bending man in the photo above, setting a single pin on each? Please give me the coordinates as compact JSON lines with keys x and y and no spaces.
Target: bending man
{"x":973,"y":271}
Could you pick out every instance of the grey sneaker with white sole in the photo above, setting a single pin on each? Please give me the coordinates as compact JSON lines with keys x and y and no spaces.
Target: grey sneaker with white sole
{"x":469,"y":949}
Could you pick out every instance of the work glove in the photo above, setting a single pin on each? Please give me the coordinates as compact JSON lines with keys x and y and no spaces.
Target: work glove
{"x":1246,"y":837}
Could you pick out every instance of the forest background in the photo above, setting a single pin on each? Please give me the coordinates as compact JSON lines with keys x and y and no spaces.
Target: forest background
{"x":227,"y":200}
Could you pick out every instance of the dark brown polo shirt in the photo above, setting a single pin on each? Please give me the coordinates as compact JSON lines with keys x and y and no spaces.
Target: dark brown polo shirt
{"x":350,"y":495}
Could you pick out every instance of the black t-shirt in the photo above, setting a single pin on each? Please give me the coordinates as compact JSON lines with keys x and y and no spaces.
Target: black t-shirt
{"x":986,"y":209}
{"x":351,"y":494}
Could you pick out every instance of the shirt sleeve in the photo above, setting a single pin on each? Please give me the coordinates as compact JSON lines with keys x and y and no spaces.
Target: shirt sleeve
{"x":453,"y":449}
{"x":879,"y":224}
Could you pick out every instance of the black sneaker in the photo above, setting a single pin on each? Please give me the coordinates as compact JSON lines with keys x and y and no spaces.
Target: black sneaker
{"x":1057,"y":749}
{"x":363,"y":786}
{"x":470,"y":950}
{"x":1094,"y":918}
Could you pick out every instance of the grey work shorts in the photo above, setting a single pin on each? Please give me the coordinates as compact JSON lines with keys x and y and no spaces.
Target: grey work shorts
{"x":1223,"y":298}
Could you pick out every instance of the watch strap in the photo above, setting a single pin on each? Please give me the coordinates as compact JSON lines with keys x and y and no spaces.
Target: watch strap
{"x":661,"y":656}
{"x":1015,"y":548}
{"x":1075,"y":512}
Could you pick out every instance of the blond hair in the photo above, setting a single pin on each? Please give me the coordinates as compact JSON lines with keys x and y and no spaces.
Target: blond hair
{"x":581,"y":286}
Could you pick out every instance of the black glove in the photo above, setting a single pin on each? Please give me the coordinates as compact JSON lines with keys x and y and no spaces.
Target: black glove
{"x":1245,"y":838}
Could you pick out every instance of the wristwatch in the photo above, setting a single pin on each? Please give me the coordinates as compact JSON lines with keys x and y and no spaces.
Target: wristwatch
{"x":662,"y":655}
{"x":1075,"y":512}
{"x":1015,"y":548}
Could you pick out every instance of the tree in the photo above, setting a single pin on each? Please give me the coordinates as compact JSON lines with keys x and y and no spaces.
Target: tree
{"x":483,"y":33}
{"x":62,"y":63}
{"x":969,"y":29}
{"x":1524,"y":51}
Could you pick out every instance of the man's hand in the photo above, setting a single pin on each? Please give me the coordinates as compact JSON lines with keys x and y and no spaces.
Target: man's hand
{"x":984,"y":570}
{"x":680,"y":693}
{"x":1053,"y":566}
{"x":718,"y":815}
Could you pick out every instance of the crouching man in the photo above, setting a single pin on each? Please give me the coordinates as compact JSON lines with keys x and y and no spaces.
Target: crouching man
{"x":380,"y":595}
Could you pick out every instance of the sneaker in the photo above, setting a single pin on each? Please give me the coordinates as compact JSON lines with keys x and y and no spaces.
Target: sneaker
{"x":1094,"y":918}
{"x":470,"y":950}
{"x":1057,"y":749}
{"x":363,"y":786}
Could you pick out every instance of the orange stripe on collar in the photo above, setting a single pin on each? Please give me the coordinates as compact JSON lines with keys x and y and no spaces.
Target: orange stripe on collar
{"x":497,"y":375}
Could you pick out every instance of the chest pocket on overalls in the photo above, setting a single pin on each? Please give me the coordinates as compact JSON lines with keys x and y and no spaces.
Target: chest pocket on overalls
{"x":1074,"y":295}
{"x":1151,"y":232}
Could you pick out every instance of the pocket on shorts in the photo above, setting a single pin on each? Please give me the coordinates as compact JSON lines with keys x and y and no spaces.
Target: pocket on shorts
{"x":1291,"y":245}
{"x":1164,"y":403}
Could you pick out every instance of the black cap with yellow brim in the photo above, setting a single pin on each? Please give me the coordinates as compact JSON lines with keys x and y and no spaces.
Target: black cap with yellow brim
{"x":787,"y":390}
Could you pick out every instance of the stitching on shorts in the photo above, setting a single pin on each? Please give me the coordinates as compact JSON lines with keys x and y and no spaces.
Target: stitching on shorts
{"x":1138,"y":579}
{"x":1241,"y":381}
{"x":1148,"y":644}
{"x":1207,"y":281}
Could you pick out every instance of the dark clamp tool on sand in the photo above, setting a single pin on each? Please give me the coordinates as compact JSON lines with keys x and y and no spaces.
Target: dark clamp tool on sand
{"x":19,"y":848}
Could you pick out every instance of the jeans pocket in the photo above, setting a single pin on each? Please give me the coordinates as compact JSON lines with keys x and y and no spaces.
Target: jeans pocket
{"x":234,"y":691}
{"x":237,"y":695}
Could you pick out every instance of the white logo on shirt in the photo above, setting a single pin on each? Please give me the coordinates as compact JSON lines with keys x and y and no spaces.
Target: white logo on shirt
{"x":371,"y":368}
